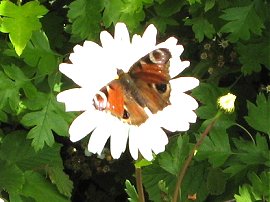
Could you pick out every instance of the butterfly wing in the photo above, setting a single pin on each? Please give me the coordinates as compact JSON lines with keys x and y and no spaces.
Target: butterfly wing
{"x":144,"y":88}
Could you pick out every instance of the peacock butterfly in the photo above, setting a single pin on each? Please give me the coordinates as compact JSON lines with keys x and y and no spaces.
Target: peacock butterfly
{"x":144,"y":87}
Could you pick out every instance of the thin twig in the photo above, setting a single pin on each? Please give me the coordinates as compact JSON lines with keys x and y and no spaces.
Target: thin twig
{"x":138,"y":173}
{"x":188,"y":160}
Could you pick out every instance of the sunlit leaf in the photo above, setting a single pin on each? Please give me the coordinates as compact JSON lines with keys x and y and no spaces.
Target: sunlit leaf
{"x":242,"y":21}
{"x":20,"y":22}
{"x":259,"y":114}
{"x":131,"y":191}
{"x":201,"y":27}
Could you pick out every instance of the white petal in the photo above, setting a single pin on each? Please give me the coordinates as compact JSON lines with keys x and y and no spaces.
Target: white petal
{"x":106,"y":39}
{"x":98,"y":139}
{"x":184,"y":84}
{"x":144,"y":143}
{"x":76,"y":99}
{"x":159,"y":140}
{"x":82,"y":125}
{"x":183,"y":101}
{"x":121,"y":33}
{"x":119,"y":136}
{"x":149,"y":37}
{"x":177,"y":66}
{"x":133,"y":142}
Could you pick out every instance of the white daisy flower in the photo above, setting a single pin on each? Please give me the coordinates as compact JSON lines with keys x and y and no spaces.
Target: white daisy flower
{"x":93,"y":67}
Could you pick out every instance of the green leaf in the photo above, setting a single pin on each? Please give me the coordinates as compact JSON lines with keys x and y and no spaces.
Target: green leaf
{"x":17,"y":150}
{"x":216,"y":181}
{"x":173,"y":158}
{"x":161,"y":23}
{"x":61,"y":180}
{"x":207,"y":94}
{"x":168,"y":8}
{"x":38,"y":54}
{"x":248,"y":155}
{"x":260,"y":184}
{"x":38,"y":188}
{"x":128,"y":11}
{"x":242,"y":21}
{"x":49,"y":119}
{"x":215,"y":148}
{"x":9,"y":95}
{"x":131,"y":191}
{"x":142,"y":162}
{"x":21,"y":81}
{"x":209,"y":4}
{"x":20,"y":22}
{"x":85,"y":16}
{"x":195,"y":182}
{"x":112,"y":12}
{"x":201,"y":27}
{"x":259,"y":115}
{"x":152,"y":175}
{"x":253,"y":56}
{"x":244,"y":195}
{"x":11,"y":177}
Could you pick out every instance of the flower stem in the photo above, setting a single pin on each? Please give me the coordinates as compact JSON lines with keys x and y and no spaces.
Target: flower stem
{"x":138,"y":173}
{"x":188,"y":160}
{"x":246,"y":132}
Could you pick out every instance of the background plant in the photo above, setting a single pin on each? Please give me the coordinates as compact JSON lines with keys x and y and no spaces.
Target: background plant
{"x":228,"y":45}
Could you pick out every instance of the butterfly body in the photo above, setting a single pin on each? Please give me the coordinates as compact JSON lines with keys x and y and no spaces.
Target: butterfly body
{"x":144,"y":88}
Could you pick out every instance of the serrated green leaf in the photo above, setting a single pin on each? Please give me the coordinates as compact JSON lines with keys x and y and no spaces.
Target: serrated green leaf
{"x":249,"y":154}
{"x":3,"y":117}
{"x":161,"y":23}
{"x":44,"y":122}
{"x":253,"y":56}
{"x":14,"y":197}
{"x":131,"y":191}
{"x":38,"y":188}
{"x":216,"y":181}
{"x":260,"y":184}
{"x":38,"y":54}
{"x":85,"y":16}
{"x":215,"y":148}
{"x":173,"y":158}
{"x":152,"y":175}
{"x":142,"y":162}
{"x":17,"y":150}
{"x":112,"y":12}
{"x":208,"y":95}
{"x":259,"y":115}
{"x":201,"y":27}
{"x":209,"y":4}
{"x":11,"y":177}
{"x":129,"y":11}
{"x":194,"y":182}
{"x":9,"y":93}
{"x":20,"y":22}
{"x":242,"y":21}
{"x":244,"y":195}
{"x":61,"y":180}
{"x":21,"y":81}
{"x":168,"y":8}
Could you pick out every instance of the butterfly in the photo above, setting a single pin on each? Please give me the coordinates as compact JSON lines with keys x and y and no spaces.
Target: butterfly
{"x":145,"y":87}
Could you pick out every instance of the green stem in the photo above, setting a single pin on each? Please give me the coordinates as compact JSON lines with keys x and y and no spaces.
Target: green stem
{"x":138,"y":173}
{"x":246,"y":132}
{"x":188,"y":160}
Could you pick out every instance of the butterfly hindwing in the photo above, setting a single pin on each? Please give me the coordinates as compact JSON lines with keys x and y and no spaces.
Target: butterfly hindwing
{"x":144,"y":88}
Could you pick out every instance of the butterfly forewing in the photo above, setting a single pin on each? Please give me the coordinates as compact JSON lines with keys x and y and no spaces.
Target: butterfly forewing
{"x":145,"y":86}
